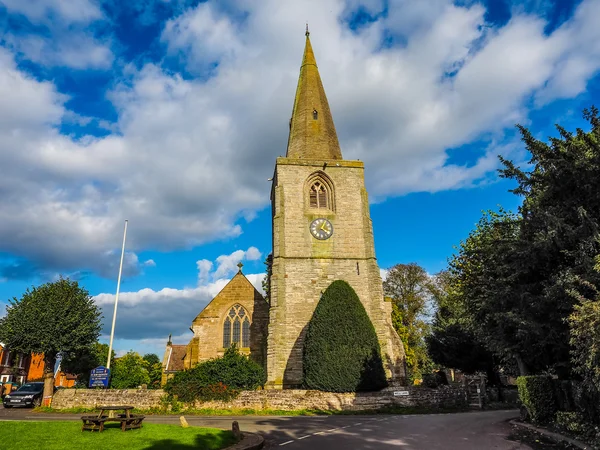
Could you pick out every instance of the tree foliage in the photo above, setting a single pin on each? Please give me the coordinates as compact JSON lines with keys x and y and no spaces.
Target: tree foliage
{"x":55,"y":317}
{"x":514,"y":273}
{"x":411,"y":290}
{"x":217,"y":379}
{"x":341,"y":351}
{"x":129,"y":371}
{"x":80,"y":363}
{"x":452,"y":342}
{"x":154,"y":367}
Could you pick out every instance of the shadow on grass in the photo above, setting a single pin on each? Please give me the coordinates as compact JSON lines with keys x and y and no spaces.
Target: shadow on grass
{"x":201,"y":442}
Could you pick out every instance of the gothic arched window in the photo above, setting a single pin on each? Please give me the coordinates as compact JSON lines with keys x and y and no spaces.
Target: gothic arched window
{"x":320,"y":191}
{"x":236,"y":327}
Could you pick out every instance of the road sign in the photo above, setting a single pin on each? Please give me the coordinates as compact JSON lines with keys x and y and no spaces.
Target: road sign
{"x":401,"y":393}
{"x":99,"y":377}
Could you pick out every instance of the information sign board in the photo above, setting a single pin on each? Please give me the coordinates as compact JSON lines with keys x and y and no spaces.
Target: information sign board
{"x":99,"y":377}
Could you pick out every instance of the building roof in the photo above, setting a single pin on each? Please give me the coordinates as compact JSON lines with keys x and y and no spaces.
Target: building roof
{"x":312,"y":132}
{"x":238,"y":288}
{"x":175,"y":362}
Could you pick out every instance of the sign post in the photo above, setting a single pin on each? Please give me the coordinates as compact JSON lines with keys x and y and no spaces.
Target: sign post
{"x":99,"y":377}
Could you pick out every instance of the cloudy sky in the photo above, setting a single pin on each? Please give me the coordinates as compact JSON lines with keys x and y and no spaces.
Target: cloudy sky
{"x":170,"y":113}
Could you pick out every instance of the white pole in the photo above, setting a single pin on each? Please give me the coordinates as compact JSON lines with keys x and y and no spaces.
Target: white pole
{"x":112,"y":331}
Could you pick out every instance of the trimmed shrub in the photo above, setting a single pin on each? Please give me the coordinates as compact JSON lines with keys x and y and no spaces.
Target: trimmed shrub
{"x":341,"y":351}
{"x":217,"y":379}
{"x":537,"y":395}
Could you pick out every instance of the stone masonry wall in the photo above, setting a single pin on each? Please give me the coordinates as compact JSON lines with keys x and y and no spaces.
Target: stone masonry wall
{"x":303,"y":267}
{"x":92,"y":398}
{"x":286,"y":400}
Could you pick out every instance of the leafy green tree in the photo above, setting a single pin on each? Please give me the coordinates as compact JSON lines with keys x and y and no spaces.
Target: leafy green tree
{"x":453,"y":343}
{"x":80,"y":363}
{"x":154,"y":368}
{"x":56,"y":317}
{"x":341,"y":351}
{"x":129,"y":371}
{"x":411,"y":290}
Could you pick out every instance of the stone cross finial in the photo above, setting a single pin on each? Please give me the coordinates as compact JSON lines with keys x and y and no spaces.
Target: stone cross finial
{"x":240,"y":265}
{"x":307,"y":34}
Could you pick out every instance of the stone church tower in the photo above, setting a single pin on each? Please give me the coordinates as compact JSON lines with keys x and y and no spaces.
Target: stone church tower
{"x":322,"y":232}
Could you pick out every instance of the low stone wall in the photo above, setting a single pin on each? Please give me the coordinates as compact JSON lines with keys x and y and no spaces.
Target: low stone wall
{"x":286,"y":400}
{"x":92,"y":398}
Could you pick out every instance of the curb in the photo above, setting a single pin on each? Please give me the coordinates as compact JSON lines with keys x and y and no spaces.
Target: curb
{"x":250,"y":441}
{"x":552,"y":435}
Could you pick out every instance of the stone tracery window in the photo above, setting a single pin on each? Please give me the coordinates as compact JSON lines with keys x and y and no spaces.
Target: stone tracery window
{"x":236,"y":327}
{"x":320,"y":191}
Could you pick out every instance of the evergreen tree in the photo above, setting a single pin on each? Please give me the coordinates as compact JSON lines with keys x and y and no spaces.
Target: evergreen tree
{"x":341,"y":351}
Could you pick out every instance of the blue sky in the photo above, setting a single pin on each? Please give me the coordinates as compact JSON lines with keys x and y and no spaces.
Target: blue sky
{"x":170,"y":113}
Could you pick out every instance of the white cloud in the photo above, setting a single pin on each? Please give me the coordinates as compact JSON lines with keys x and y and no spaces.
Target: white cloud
{"x":148,"y":315}
{"x":68,"y":42}
{"x":189,"y":157}
{"x":77,"y":50}
{"x":227,"y":264}
{"x":47,"y":10}
{"x":204,"y":267}
{"x":149,"y":263}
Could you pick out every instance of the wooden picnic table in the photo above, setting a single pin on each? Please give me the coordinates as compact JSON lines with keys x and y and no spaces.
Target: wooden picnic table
{"x":106,"y":414}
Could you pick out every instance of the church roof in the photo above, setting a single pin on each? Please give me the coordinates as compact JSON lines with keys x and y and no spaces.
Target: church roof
{"x":238,"y":289}
{"x":312,"y":132}
{"x":175,"y":360}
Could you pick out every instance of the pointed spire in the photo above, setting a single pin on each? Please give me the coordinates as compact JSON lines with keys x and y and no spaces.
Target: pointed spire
{"x":312,"y":132}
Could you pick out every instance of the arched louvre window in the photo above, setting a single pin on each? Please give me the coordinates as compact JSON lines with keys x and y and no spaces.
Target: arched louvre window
{"x":236,"y":327}
{"x":318,"y":195}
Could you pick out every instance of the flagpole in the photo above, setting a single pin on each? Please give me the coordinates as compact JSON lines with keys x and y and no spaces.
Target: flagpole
{"x":112,"y":331}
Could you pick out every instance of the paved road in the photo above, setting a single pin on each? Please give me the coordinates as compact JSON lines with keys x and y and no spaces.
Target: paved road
{"x":468,"y":431}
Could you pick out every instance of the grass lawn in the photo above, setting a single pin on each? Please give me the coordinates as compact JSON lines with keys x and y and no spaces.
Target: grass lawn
{"x":58,"y":435}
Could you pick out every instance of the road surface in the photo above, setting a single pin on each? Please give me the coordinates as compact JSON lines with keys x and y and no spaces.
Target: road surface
{"x":465,"y":431}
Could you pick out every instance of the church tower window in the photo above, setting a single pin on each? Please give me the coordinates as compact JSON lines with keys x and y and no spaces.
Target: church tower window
{"x":320,"y":192}
{"x":236,"y":327}
{"x":315,"y":114}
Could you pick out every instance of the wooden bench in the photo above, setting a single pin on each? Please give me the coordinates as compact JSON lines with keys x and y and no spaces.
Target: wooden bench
{"x":93,"y":423}
{"x":131,"y":422}
{"x":128,"y":421}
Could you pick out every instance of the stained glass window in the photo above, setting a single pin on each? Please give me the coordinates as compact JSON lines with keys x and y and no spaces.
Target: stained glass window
{"x":236,"y":327}
{"x":227,"y":333}
{"x":236,"y":331}
{"x":246,"y":333}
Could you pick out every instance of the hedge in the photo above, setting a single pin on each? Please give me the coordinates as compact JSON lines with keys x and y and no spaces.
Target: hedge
{"x":537,"y":395}
{"x":341,"y":351}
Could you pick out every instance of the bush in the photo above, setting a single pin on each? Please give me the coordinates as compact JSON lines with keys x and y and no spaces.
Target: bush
{"x":217,"y":379}
{"x":341,"y":350}
{"x":537,"y":395}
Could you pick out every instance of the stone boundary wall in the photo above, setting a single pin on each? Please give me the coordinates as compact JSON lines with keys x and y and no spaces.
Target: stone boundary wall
{"x":286,"y":400}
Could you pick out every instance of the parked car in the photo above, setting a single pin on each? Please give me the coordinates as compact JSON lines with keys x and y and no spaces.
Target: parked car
{"x":30,"y":394}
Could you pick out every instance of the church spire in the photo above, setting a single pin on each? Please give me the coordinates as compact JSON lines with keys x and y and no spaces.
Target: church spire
{"x":312,"y":132}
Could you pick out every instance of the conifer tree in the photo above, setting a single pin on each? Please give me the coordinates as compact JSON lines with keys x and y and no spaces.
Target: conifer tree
{"x":341,"y":350}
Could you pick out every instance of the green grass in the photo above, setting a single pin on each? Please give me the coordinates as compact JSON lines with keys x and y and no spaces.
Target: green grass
{"x":68,"y":436}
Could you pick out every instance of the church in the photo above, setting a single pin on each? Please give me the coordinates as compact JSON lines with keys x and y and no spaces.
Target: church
{"x":322,"y":232}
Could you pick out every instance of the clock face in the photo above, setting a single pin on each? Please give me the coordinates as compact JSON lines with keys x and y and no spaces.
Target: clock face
{"x":321,"y":228}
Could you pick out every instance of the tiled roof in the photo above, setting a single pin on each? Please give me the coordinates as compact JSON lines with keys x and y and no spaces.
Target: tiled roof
{"x":176,"y":359}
